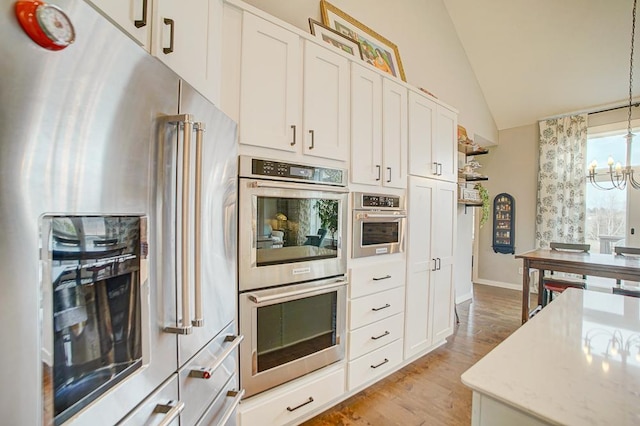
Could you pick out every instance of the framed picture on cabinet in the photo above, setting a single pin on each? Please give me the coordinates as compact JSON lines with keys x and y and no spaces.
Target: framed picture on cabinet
{"x":335,"y":38}
{"x":376,"y":50}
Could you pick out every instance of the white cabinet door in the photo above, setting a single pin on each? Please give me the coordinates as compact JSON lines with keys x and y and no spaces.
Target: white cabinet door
{"x":270,"y":96}
{"x":133,"y":16}
{"x":378,"y":129}
{"x":445,"y":148}
{"x":421,"y":195}
{"x":433,"y":135}
{"x":180,"y":38}
{"x":394,"y":140}
{"x":326,"y":103}
{"x":443,"y":249}
{"x":429,"y":306}
{"x":366,"y":126}
{"x":422,"y":128}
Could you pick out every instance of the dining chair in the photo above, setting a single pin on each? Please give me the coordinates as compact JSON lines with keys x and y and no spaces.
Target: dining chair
{"x":555,"y":282}
{"x":627,"y":288}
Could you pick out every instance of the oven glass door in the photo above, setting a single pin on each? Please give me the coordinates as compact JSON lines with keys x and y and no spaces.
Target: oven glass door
{"x":291,"y":331}
{"x":290,"y":235}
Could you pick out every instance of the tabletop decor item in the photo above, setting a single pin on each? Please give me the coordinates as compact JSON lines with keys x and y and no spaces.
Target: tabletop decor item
{"x":376,"y":50}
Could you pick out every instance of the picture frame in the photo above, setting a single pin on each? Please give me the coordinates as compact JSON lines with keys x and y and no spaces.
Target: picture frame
{"x":376,"y":49}
{"x":338,"y":40}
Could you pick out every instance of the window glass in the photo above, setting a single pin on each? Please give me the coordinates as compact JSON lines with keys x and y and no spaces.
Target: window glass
{"x":606,"y":211}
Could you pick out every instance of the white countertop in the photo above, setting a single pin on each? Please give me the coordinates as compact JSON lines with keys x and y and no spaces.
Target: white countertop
{"x":560,"y":366}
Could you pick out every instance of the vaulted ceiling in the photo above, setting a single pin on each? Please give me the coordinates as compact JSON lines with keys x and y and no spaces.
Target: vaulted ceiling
{"x":535,"y":59}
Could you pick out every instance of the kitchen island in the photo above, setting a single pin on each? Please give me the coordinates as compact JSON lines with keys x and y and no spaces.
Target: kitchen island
{"x":577,"y":362}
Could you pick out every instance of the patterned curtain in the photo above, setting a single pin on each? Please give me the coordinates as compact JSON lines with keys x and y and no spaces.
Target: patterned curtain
{"x":561,"y":208}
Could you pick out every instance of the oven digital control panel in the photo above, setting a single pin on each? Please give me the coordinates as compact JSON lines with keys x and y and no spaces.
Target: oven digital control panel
{"x":377,"y":201}
{"x":270,"y":169}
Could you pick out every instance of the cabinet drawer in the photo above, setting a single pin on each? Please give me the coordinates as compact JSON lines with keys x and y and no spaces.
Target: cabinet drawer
{"x":223,"y":411}
{"x":374,"y":336}
{"x":202,"y":379}
{"x":374,"y":364}
{"x":369,"y":279}
{"x":375,"y":307}
{"x":284,"y":408}
{"x":147,"y":413}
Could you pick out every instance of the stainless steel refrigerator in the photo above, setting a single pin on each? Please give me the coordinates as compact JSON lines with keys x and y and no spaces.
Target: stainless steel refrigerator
{"x":118,"y":218}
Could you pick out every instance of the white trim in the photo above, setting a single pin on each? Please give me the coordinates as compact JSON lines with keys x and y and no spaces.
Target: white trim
{"x":464,"y":297}
{"x":604,"y":130}
{"x":509,"y":286}
{"x":593,"y":110}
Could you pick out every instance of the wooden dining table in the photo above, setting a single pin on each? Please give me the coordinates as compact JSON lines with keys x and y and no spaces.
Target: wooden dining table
{"x":589,"y":264}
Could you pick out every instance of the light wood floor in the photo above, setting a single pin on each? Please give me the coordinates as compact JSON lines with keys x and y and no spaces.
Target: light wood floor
{"x":429,"y":391}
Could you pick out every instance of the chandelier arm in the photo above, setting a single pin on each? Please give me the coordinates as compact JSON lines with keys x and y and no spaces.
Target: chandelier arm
{"x":595,"y":183}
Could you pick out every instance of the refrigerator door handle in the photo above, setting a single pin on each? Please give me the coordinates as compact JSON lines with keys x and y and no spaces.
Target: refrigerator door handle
{"x":187,"y":123}
{"x":198,"y":321}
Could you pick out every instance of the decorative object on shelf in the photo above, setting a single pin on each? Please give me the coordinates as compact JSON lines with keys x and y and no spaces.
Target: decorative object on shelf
{"x":331,"y":36}
{"x":376,"y":50}
{"x":618,"y":175}
{"x":504,"y":219}
{"x":484,"y":197}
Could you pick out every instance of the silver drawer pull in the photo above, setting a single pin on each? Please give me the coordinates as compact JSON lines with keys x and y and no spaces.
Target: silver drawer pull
{"x":382,"y":278}
{"x":171,"y":410}
{"x":381,"y":364}
{"x":206,"y":372}
{"x":237,"y":396}
{"x":381,"y":308}
{"x":309,"y":401}
{"x":386,"y":333}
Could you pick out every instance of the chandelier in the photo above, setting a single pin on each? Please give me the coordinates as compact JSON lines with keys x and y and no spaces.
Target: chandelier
{"x":618,"y":175}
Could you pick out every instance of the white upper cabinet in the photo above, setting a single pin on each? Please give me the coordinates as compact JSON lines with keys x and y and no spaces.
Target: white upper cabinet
{"x":422,"y":128}
{"x":326,"y":103}
{"x":378,"y":129}
{"x":294,"y":94}
{"x":445,"y":148}
{"x":186,"y":36}
{"x":432,"y":139}
{"x":133,"y":16}
{"x":270,"y":75}
{"x":180,"y":39}
{"x":366,"y":126}
{"x":394,"y":134}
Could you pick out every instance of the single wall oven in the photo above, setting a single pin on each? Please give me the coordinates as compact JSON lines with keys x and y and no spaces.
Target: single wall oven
{"x":378,"y":224}
{"x":292,"y":265}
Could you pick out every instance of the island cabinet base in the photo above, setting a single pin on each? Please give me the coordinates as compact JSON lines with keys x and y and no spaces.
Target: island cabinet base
{"x":487,"y":411}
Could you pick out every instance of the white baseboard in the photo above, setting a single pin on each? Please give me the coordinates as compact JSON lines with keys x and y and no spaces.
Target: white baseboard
{"x":510,"y":286}
{"x":464,"y":297}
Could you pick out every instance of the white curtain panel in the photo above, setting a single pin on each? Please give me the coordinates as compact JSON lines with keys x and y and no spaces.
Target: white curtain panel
{"x":561,"y":207}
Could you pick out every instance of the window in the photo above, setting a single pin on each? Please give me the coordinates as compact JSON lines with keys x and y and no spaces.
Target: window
{"x":607,"y":211}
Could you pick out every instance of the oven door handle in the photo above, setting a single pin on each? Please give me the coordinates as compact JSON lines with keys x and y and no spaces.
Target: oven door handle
{"x":258,"y":300}
{"x":307,"y":187}
{"x":381,"y":216}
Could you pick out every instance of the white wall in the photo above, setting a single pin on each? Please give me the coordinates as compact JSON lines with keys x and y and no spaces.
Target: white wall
{"x":512,"y":167}
{"x":430,"y":50}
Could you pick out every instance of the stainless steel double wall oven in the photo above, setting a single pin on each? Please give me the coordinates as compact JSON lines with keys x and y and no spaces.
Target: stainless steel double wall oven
{"x":292,"y":265}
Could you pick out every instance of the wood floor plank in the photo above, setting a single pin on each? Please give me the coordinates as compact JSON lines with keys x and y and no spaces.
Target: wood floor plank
{"x":429,"y":391}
